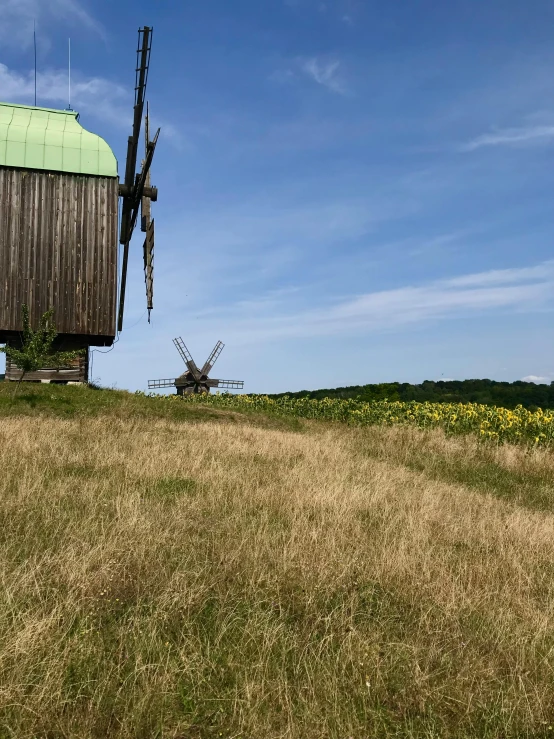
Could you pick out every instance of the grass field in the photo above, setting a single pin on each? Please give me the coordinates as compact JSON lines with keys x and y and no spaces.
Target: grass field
{"x":178,"y":571}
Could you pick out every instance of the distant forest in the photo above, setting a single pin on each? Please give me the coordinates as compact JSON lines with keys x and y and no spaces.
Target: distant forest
{"x":489,"y":392}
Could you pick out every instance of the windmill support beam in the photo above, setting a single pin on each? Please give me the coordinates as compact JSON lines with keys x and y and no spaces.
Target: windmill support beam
{"x":148,"y":192}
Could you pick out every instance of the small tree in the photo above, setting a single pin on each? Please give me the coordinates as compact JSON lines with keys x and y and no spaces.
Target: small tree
{"x":36,"y":349}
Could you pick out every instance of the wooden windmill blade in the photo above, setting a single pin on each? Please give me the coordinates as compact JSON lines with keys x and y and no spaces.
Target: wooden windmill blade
{"x":148,"y":252}
{"x":138,"y":192}
{"x":161,"y":383}
{"x":187,"y":357}
{"x":195,"y":380}
{"x":147,"y":226}
{"x":141,"y":79}
{"x":146,"y":210}
{"x":212,"y":359}
{"x":230,"y":384}
{"x":137,"y":188}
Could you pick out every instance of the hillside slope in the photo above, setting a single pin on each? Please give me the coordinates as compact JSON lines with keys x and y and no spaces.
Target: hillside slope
{"x":228,"y":575}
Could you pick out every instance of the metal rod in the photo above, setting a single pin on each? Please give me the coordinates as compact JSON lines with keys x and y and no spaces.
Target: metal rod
{"x":69,"y":76}
{"x":35,"y":45}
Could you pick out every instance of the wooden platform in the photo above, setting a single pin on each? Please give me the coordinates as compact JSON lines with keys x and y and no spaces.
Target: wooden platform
{"x":77,"y":371}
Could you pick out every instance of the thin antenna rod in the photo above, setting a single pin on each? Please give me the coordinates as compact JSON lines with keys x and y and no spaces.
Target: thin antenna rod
{"x":69,"y":75}
{"x":35,"y":45}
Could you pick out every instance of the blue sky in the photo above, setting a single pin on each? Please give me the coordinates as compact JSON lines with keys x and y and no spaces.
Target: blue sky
{"x":350,"y":191}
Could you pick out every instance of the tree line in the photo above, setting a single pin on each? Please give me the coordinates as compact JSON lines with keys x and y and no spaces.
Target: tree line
{"x":488,"y":392}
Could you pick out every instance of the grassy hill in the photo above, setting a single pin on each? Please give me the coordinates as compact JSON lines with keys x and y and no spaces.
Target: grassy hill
{"x":183,"y":571}
{"x":489,"y":392}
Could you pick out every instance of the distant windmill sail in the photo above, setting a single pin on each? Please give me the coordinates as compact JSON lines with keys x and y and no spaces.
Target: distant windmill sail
{"x":212,"y":358}
{"x":196,"y":380}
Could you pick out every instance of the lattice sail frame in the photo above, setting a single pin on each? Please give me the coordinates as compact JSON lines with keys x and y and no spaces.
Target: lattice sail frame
{"x":136,"y":188}
{"x":196,"y":379}
{"x":147,"y":226}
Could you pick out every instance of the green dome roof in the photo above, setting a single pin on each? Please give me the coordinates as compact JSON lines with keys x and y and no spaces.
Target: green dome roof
{"x":53,"y":140}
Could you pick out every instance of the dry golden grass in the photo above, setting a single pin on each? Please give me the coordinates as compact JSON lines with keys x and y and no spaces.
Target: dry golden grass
{"x":180,"y":580}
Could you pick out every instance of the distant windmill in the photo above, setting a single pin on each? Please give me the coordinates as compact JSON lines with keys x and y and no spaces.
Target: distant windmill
{"x":196,"y":380}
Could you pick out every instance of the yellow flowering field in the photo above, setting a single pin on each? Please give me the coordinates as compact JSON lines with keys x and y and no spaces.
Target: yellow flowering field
{"x":489,"y":422}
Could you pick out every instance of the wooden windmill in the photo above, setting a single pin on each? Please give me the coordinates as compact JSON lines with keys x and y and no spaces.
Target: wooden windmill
{"x":59,"y":193}
{"x":196,"y":380}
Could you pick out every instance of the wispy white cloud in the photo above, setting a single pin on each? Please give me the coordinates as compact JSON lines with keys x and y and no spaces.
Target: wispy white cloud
{"x":280,"y":317}
{"x":436,"y":244}
{"x":275,"y":238}
{"x":537,"y":379}
{"x":343,"y":10}
{"x":96,"y":97}
{"x":511,"y":136}
{"x":19,"y":16}
{"x":504,"y":276}
{"x":325,"y":73}
{"x":93,"y":95}
{"x":448,"y":297}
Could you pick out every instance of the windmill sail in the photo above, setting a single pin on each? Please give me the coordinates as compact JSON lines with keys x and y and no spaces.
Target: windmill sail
{"x":187,"y":357}
{"x":195,"y":380}
{"x":161,"y":383}
{"x":234,"y":384}
{"x":148,"y":250}
{"x":143,"y":63}
{"x":147,"y":225}
{"x":136,"y":188}
{"x":211,"y":360}
{"x":145,"y":203}
{"x":136,"y":197}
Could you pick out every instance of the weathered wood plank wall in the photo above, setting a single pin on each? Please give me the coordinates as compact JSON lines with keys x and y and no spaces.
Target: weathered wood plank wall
{"x":58,"y":249}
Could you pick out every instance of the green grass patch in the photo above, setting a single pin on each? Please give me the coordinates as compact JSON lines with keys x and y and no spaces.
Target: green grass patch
{"x":478,"y":471}
{"x":169,"y":488}
{"x":83,"y":401}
